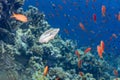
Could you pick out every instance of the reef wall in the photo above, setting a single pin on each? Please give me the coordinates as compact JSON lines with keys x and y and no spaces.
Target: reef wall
{"x":24,"y":58}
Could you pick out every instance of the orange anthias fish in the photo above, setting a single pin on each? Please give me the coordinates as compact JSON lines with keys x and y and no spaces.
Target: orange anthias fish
{"x":118,"y":16}
{"x":102,"y":45}
{"x":45,"y":71}
{"x":87,"y":50}
{"x":103,"y":9}
{"x":19,"y":17}
{"x":100,"y":52}
{"x":82,"y":26}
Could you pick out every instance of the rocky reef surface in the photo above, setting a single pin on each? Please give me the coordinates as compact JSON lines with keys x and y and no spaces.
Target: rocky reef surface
{"x":24,"y":58}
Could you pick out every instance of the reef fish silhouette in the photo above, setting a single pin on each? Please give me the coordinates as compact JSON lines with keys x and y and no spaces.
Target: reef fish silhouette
{"x":48,"y":35}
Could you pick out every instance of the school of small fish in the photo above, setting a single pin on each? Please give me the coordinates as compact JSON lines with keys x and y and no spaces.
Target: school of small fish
{"x":52,"y":32}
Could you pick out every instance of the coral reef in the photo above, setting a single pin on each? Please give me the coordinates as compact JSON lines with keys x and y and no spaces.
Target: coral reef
{"x":39,"y":76}
{"x":7,"y":7}
{"x":23,"y":57}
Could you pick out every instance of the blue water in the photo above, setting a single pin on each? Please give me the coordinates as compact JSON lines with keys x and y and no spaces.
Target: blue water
{"x":66,"y":14}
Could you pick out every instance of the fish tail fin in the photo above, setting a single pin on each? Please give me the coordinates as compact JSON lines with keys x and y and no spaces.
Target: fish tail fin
{"x":13,"y":15}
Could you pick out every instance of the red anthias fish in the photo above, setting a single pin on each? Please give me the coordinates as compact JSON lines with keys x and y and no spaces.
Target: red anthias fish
{"x":77,"y":53}
{"x":115,"y":72}
{"x":94,"y":17}
{"x":100,"y":51}
{"x":87,"y":50}
{"x":80,"y":63}
{"x":81,"y":73}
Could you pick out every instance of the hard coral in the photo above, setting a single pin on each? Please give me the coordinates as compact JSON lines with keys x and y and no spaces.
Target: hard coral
{"x":39,"y":76}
